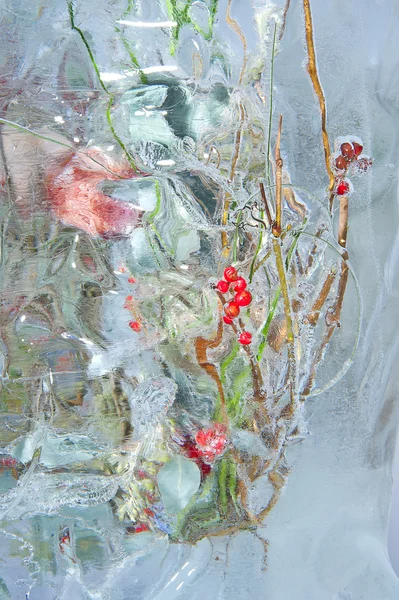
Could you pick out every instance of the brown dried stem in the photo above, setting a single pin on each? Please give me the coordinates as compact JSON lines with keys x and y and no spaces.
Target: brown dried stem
{"x":201,"y":348}
{"x":332,"y":324}
{"x":277,"y":225}
{"x":314,"y":314}
{"x":333,"y":320}
{"x":225,"y":241}
{"x":234,"y":25}
{"x":284,"y":288}
{"x":265,"y":204}
{"x":312,"y":70}
{"x":287,"y":310}
{"x":313,"y":251}
{"x":277,"y":480}
{"x":343,"y":221}
{"x":282,"y":30}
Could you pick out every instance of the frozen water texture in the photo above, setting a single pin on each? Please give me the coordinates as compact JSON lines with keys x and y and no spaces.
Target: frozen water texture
{"x":116,"y":167}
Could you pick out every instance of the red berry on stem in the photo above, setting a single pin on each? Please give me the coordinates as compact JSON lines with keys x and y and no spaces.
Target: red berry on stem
{"x":131,"y":280}
{"x":227,"y":320}
{"x":245,"y":338}
{"x":358,"y":148}
{"x":222,"y":286}
{"x":240,"y":284}
{"x":243,"y":298}
{"x":232,"y":310}
{"x":230,"y":274}
{"x":343,"y":188}
{"x":341,"y":163}
{"x":347,"y":151}
{"x":135,"y":325}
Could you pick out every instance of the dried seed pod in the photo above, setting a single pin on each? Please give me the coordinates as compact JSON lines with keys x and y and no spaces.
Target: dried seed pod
{"x":363,"y":164}
{"x":277,"y":334}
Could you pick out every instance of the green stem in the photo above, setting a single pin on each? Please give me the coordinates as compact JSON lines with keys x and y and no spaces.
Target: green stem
{"x":228,"y":360}
{"x":135,"y":62}
{"x":265,"y":328}
{"x":271,"y":104}
{"x":85,"y":42}
{"x":236,"y":236}
{"x":104,"y":87}
{"x":233,"y":483}
{"x":150,"y":219}
{"x":222,"y":480}
{"x":258,"y":247}
{"x":116,"y":136}
{"x":284,"y":288}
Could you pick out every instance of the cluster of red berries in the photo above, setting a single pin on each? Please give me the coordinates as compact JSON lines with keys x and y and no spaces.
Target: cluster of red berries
{"x":242,"y":297}
{"x":135,"y":325}
{"x":350,"y":153}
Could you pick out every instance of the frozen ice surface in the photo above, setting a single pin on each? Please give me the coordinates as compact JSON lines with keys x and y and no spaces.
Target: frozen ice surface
{"x":133,"y":137}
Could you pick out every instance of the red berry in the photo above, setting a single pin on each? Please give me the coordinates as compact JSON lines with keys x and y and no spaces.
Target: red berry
{"x":142,"y":527}
{"x":343,"y":188}
{"x":240,"y":284}
{"x":230,"y":274}
{"x":131,"y":280}
{"x":227,"y":320}
{"x":135,"y":325}
{"x":243,"y":298}
{"x":128,"y":302}
{"x":232,"y":310}
{"x":222,"y":286}
{"x":347,"y":151}
{"x":341,"y":163}
{"x":245,"y":338}
{"x":358,"y":148}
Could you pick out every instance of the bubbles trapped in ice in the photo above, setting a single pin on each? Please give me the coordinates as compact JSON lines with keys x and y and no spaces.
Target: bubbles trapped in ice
{"x":150,"y":402}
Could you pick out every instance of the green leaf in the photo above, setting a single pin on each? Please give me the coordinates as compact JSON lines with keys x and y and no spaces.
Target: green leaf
{"x":178,"y":481}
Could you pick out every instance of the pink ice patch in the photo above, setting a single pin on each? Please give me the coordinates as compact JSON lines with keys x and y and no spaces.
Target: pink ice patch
{"x":75,"y":197}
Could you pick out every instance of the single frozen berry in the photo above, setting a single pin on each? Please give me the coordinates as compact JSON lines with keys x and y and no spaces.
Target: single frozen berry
{"x":358,"y":148}
{"x":245,"y":338}
{"x":343,"y":188}
{"x":243,"y":298}
{"x":230,"y":274}
{"x":240,"y":284}
{"x":347,"y":151}
{"x":131,"y":280}
{"x":142,"y":527}
{"x":227,"y":320}
{"x":135,"y":325}
{"x":341,"y":163}
{"x":128,"y":302}
{"x":232,"y":310}
{"x":222,"y":286}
